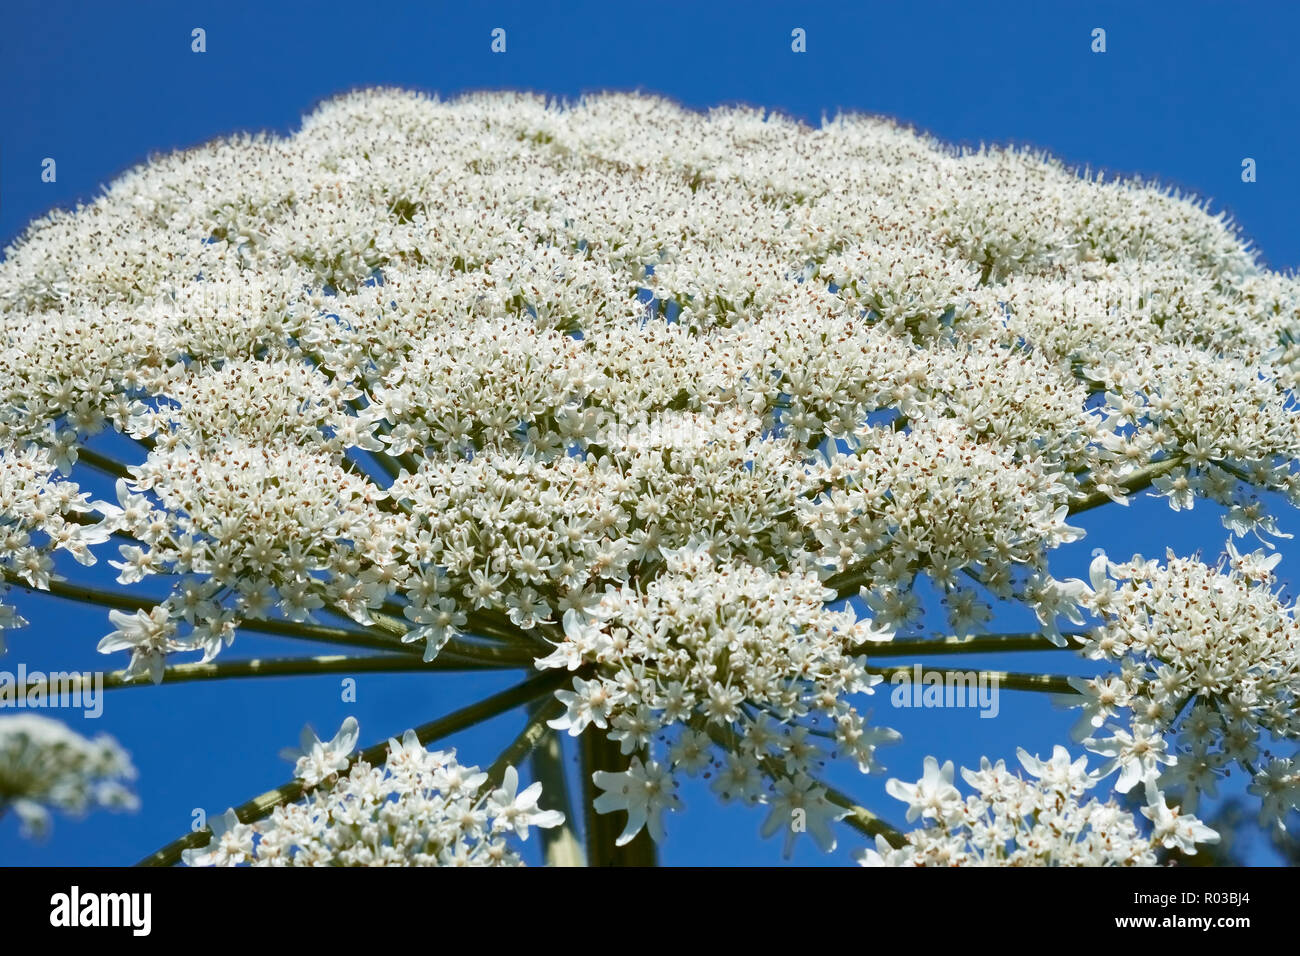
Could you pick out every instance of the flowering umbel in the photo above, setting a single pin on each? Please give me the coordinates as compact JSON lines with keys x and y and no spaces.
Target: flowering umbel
{"x":46,"y":765}
{"x":684,"y":412}
{"x":420,"y":808}
{"x":1043,"y":821}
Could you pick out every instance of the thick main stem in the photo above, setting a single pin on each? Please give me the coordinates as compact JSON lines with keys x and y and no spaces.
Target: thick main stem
{"x":560,"y":845}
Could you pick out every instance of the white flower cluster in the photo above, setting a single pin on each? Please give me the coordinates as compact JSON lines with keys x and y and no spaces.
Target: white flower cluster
{"x":695,"y":300}
{"x":1209,"y":676}
{"x":1043,"y":821}
{"x":1002,"y":517}
{"x":421,"y":808}
{"x":41,"y":514}
{"x":45,"y":764}
{"x":734,"y":655}
{"x":457,"y":373}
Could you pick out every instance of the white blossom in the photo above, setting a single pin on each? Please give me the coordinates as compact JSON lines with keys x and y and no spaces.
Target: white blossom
{"x":46,"y":765}
{"x":1042,"y":821}
{"x":421,"y":808}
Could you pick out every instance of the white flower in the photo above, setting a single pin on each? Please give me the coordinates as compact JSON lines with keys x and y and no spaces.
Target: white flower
{"x":692,"y":752}
{"x":421,"y":808}
{"x":316,"y":761}
{"x":148,"y":635}
{"x":1060,"y":772}
{"x":1277,"y":784}
{"x":645,"y":791}
{"x":519,"y":811}
{"x":1171,"y":828}
{"x":1039,"y":822}
{"x":933,"y":797}
{"x":1208,"y":664}
{"x":589,"y":702}
{"x":883,"y":854}
{"x":1137,"y":755}
{"x":231,"y":843}
{"x":801,"y":805}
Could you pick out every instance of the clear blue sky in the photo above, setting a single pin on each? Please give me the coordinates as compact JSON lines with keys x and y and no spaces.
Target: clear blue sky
{"x":1184,"y":92}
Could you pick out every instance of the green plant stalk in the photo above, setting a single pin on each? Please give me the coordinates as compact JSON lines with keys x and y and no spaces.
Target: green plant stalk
{"x":262,"y":667}
{"x":976,"y":644}
{"x":1045,"y":683}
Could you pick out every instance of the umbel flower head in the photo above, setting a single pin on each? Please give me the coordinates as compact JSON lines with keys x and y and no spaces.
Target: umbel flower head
{"x":45,"y":765}
{"x":685,"y":412}
{"x":1042,"y":821}
{"x":1209,"y":676}
{"x":421,"y":808}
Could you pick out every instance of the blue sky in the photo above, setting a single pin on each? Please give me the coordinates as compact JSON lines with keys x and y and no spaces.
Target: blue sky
{"x":1183,"y":93}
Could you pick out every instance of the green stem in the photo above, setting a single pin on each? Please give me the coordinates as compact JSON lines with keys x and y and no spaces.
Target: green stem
{"x":862,"y":819}
{"x":386,"y":462}
{"x":535,"y":730}
{"x":462,"y":647}
{"x":102,"y":463}
{"x":976,"y":644}
{"x":560,"y":845}
{"x":1045,"y":683}
{"x":129,"y":602}
{"x":258,"y":667}
{"x":486,"y":624}
{"x":1136,"y":481}
{"x":458,"y":650}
